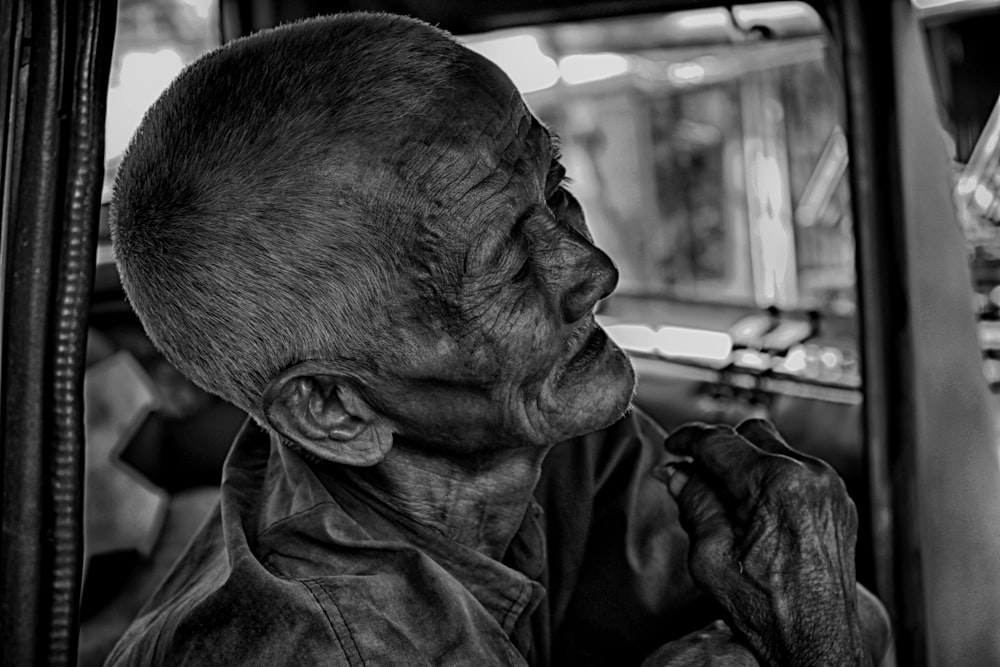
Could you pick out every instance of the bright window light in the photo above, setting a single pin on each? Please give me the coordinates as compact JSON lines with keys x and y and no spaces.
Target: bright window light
{"x":202,"y":8}
{"x":983,"y":197}
{"x":669,"y":341}
{"x":687,"y":73}
{"x":142,"y":78}
{"x":795,"y":361}
{"x":830,"y":358}
{"x":694,"y":343}
{"x":635,"y":337}
{"x":591,"y":67}
{"x":776,"y":244}
{"x":752,"y":360}
{"x":770,"y":12}
{"x":521,"y":58}
{"x":701,"y":19}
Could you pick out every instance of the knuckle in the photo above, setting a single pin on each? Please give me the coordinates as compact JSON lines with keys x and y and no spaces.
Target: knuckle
{"x":692,"y":428}
{"x":712,"y":430}
{"x":790,"y":474}
{"x":815,"y":474}
{"x":685,"y":439}
{"x":795,"y":479}
{"x":829,"y":483}
{"x":723,"y":440}
{"x":756,"y":424}
{"x":704,"y":433}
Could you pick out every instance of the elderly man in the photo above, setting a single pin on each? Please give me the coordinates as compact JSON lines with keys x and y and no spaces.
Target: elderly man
{"x":354,"y":229}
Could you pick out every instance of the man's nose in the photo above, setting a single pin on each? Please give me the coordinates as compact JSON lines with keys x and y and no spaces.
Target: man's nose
{"x":591,"y":276}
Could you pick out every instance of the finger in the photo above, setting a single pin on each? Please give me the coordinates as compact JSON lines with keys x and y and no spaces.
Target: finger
{"x":764,"y":435}
{"x":702,"y":512}
{"x":731,"y":461}
{"x":686,"y":439}
{"x":703,"y":515}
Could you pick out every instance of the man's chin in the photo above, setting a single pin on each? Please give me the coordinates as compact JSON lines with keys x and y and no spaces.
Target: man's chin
{"x":598,"y":398}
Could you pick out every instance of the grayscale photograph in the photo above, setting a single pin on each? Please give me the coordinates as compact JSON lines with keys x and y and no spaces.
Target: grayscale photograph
{"x":540,"y":333}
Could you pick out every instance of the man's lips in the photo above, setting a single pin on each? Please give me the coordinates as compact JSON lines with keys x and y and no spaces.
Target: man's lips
{"x":584,"y":345}
{"x":578,"y":338}
{"x":591,"y":348}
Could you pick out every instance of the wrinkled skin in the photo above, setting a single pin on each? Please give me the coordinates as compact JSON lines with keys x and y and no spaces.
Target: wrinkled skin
{"x":772,"y":540}
{"x":503,"y":280}
{"x":499,"y":356}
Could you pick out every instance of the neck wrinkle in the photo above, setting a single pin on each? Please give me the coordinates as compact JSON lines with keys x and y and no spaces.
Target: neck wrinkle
{"x":478,"y":502}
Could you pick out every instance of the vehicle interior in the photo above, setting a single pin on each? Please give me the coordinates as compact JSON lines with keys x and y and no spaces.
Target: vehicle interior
{"x":802,"y":199}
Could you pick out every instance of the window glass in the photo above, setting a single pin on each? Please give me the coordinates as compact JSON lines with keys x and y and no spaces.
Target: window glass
{"x":817,"y":149}
{"x":708,"y":150}
{"x":967,"y":77}
{"x":154,"y":40}
{"x":706,"y":147}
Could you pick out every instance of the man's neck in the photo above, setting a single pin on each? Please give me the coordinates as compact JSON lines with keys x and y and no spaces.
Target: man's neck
{"x":478,"y":502}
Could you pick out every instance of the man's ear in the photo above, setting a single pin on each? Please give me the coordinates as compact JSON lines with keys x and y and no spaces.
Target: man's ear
{"x":325,"y":415}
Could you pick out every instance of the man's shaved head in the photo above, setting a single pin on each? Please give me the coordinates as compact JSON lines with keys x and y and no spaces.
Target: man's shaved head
{"x":354,"y":229}
{"x":246,"y":236}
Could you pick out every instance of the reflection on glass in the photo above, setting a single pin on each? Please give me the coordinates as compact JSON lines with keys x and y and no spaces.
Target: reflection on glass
{"x":154,"y":40}
{"x":709,"y":157}
{"x":521,"y":58}
{"x":978,"y":190}
{"x":702,"y":345}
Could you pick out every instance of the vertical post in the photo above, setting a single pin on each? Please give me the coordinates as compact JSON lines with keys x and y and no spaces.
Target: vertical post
{"x":769,"y":202}
{"x":932,"y":445}
{"x":954,"y":452}
{"x":865,"y":35}
{"x":55,"y":76}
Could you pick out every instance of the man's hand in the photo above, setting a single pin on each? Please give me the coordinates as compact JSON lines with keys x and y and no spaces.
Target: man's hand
{"x":713,"y":646}
{"x":772,"y":540}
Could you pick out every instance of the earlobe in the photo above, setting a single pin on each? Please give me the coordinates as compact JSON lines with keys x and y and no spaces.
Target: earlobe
{"x":326,"y":416}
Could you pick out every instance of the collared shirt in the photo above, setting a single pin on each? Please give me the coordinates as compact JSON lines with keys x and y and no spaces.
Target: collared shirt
{"x":290,"y":570}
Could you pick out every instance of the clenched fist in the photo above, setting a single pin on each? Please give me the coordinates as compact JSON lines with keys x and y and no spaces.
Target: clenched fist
{"x":772,"y":540}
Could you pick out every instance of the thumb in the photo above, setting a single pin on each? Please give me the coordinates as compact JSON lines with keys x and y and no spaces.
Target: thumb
{"x":707,"y":523}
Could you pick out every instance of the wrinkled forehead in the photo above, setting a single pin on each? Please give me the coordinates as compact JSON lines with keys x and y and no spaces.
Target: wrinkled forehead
{"x":456,"y":175}
{"x":479,"y":143}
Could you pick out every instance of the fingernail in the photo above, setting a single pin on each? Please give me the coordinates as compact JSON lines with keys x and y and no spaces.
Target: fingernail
{"x":671,"y":474}
{"x":664,"y":472}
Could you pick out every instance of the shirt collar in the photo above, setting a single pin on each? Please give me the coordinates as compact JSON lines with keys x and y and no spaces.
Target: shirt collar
{"x":507,"y":590}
